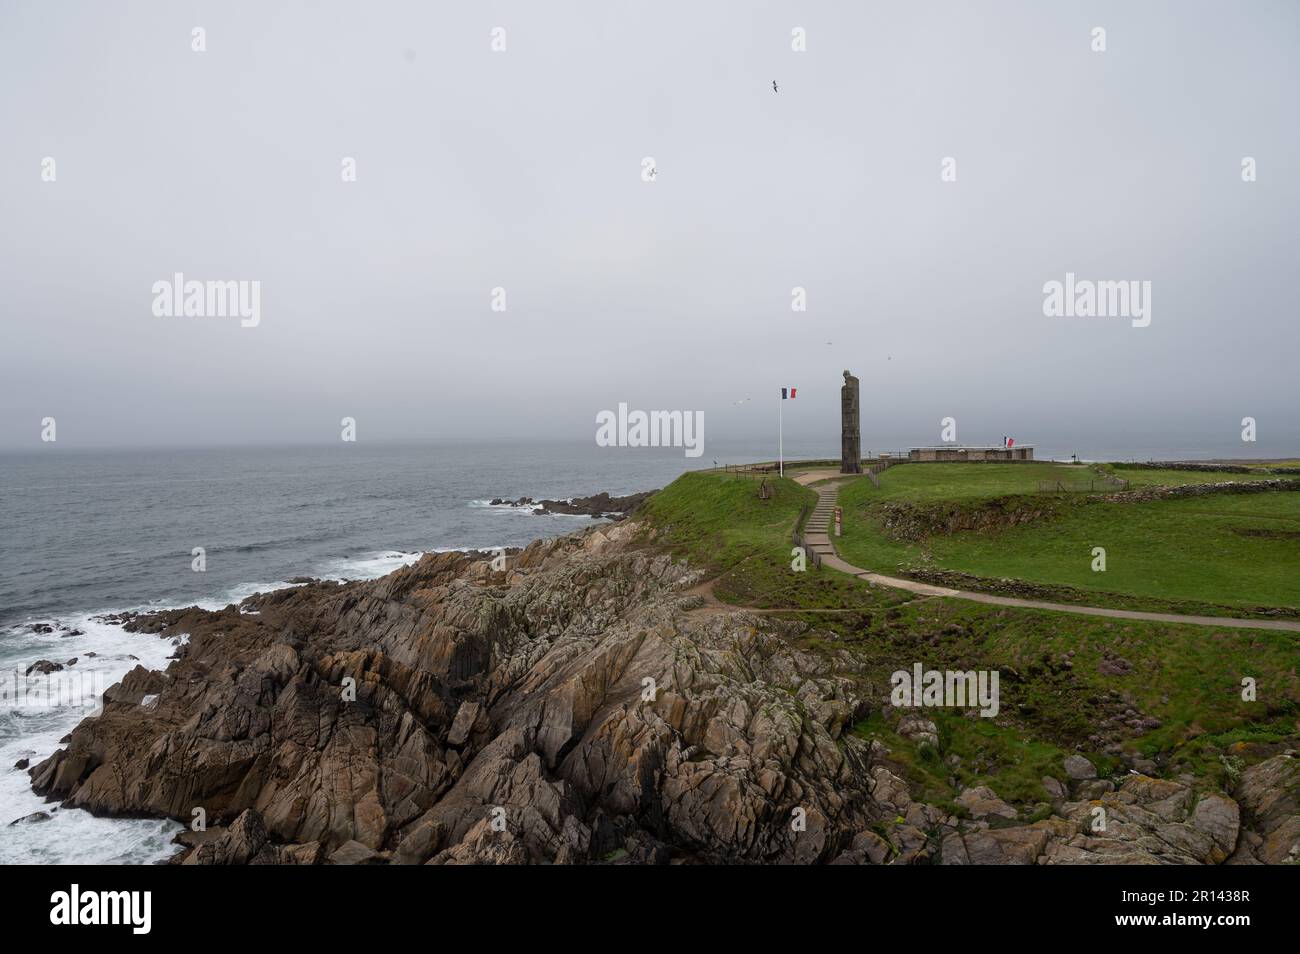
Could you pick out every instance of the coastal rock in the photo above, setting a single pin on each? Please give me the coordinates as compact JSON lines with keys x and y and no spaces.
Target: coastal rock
{"x":981,"y":802}
{"x":598,"y":505}
{"x":44,"y":667}
{"x":917,"y":728}
{"x":1145,"y":821}
{"x":31,"y":819}
{"x":1269,"y":795}
{"x":1001,"y":846}
{"x":354,"y":853}
{"x":1079,"y":768}
{"x":245,"y":842}
{"x":577,"y":714}
{"x":469,"y":716}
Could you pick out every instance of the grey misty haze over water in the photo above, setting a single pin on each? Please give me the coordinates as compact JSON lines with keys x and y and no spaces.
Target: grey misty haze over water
{"x":522,"y":169}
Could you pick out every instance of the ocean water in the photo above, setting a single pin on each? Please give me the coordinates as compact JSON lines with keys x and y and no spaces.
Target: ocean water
{"x":84,"y":533}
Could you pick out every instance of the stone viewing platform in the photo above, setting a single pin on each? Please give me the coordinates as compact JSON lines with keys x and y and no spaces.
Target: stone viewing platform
{"x":961,"y":452}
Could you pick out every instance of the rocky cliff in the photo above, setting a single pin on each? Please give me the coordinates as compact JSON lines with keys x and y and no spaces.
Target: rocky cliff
{"x":579,"y":707}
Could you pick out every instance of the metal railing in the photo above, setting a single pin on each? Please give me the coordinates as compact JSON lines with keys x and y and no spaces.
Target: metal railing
{"x":883,"y":464}
{"x":1091,"y":485}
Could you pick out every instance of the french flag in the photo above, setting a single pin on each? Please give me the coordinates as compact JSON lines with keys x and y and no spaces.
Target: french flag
{"x":790,"y":395}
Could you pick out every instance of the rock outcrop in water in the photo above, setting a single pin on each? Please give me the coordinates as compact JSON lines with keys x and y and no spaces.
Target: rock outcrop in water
{"x":576,"y":708}
{"x":600,"y":505}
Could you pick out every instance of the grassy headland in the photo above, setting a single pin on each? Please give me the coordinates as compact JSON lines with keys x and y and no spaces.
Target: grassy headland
{"x":1118,"y":691}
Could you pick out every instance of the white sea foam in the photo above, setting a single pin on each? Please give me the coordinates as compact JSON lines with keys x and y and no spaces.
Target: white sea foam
{"x":369,"y":566}
{"x":31,"y":730}
{"x":236,"y":594}
{"x":506,"y":507}
{"x":531,"y":510}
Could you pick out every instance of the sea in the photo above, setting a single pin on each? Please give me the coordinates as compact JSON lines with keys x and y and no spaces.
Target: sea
{"x":88,"y":533}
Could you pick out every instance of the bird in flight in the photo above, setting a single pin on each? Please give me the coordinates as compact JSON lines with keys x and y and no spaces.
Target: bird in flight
{"x":775,"y":88}
{"x":738,"y":403}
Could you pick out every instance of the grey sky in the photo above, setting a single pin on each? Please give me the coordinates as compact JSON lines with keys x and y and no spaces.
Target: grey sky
{"x":522,"y":169}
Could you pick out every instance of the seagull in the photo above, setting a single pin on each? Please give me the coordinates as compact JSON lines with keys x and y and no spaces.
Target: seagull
{"x":775,"y":88}
{"x":654,"y":171}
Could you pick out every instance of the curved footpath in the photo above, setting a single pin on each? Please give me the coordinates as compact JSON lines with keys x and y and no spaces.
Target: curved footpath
{"x":817,"y":536}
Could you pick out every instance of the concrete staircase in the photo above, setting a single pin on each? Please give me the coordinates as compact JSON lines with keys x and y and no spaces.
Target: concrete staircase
{"x":817,"y":529}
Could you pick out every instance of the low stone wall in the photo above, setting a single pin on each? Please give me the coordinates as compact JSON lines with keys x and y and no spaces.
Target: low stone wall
{"x":1183,"y":465}
{"x":1197,"y":490}
{"x":1205,"y":466}
{"x":905,"y":521}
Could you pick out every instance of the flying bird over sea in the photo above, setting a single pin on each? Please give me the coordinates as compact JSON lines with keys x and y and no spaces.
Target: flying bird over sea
{"x":775,"y":88}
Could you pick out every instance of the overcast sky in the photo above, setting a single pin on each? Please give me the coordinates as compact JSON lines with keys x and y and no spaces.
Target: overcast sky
{"x":522,"y":169}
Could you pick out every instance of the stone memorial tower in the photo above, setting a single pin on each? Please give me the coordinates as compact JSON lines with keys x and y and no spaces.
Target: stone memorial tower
{"x":850,"y":427}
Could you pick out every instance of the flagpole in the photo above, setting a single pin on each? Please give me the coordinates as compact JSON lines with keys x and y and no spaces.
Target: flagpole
{"x":780,"y":438}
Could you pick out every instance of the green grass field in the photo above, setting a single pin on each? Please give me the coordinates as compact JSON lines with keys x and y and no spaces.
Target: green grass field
{"x":1224,"y":550}
{"x":718,"y":521}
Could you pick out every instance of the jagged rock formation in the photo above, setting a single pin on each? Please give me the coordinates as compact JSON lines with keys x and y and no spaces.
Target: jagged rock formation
{"x":476,"y":691}
{"x":573,"y":709}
